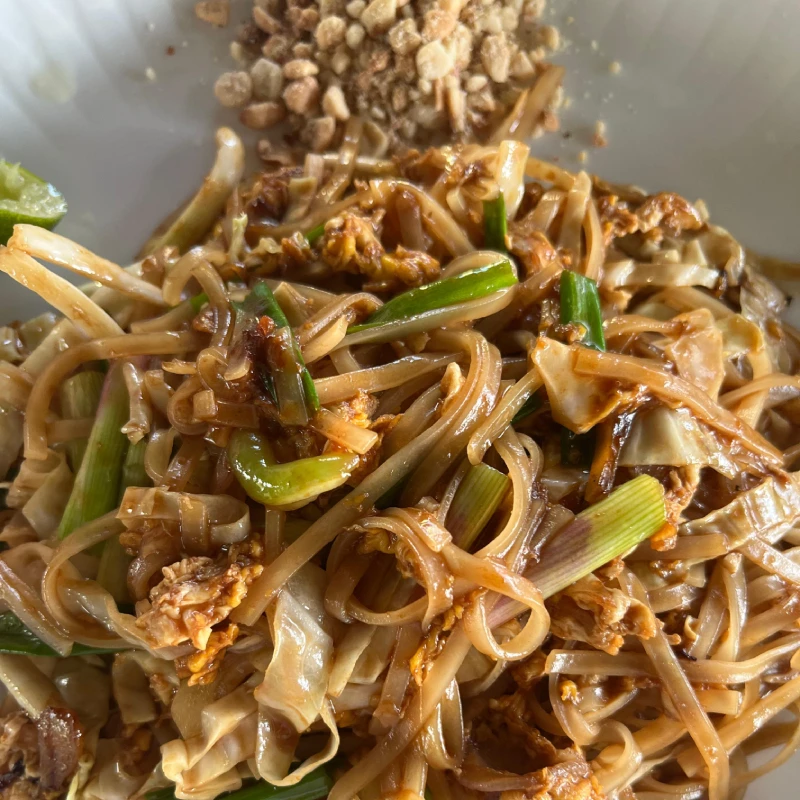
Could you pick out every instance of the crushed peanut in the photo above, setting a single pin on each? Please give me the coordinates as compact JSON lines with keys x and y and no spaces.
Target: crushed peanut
{"x":425,"y":71}
{"x":599,"y":139}
{"x":259,"y":116}
{"x":214,"y":12}
{"x":267,"y":77}
{"x":234,"y":89}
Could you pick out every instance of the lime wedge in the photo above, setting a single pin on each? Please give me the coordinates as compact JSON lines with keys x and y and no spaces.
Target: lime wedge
{"x":26,"y":198}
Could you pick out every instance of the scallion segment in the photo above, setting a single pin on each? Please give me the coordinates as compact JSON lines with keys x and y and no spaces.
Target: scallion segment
{"x":198,"y":301}
{"x":96,"y":488}
{"x":261,"y":301}
{"x":315,"y":785}
{"x":294,"y":387}
{"x":315,"y":233}
{"x":112,"y":573}
{"x":469,"y":285}
{"x":80,"y":396}
{"x":495,"y":226}
{"x":133,"y":471}
{"x":633,"y":512}
{"x":580,"y":305}
{"x":273,"y":484}
{"x":16,"y":639}
{"x":531,"y":405}
{"x":478,"y":496}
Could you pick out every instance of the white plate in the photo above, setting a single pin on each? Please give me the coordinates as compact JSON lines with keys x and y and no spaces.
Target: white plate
{"x":707,"y":104}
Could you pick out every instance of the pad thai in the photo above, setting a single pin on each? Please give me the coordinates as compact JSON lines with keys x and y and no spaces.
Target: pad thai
{"x":454,"y":475}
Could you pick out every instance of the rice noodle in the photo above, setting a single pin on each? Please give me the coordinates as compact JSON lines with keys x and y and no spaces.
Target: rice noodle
{"x":341,"y":387}
{"x":343,"y":172}
{"x":27,"y":685}
{"x":369,"y":622}
{"x":525,"y":114}
{"x":141,"y":417}
{"x":87,"y":317}
{"x":685,"y":701}
{"x":60,"y":368}
{"x":344,"y":433}
{"x":49,"y":246}
{"x":437,"y":220}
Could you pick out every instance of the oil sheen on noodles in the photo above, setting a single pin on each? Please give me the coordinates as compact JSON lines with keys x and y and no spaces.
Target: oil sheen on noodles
{"x":464,"y":477}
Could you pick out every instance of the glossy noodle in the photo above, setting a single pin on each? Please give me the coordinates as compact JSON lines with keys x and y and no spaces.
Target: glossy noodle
{"x":470,"y":478}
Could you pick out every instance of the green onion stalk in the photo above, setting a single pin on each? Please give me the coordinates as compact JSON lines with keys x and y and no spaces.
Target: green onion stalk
{"x":495,"y":225}
{"x":198,"y":301}
{"x":80,"y":396}
{"x":314,"y":786}
{"x":633,"y":512}
{"x":273,"y":484}
{"x":114,"y":561}
{"x":289,"y":378}
{"x":16,"y":639}
{"x":315,"y":234}
{"x":469,"y":285}
{"x":96,"y":488}
{"x":478,"y":496}
{"x":580,"y":306}
{"x":530,"y":406}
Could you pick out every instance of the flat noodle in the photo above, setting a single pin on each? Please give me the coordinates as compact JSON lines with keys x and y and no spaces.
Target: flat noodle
{"x":341,"y":387}
{"x":437,"y":220}
{"x":206,"y":521}
{"x":382,"y":550}
{"x":686,"y":703}
{"x":87,"y":317}
{"x":526,"y":112}
{"x":60,"y":368}
{"x":51,"y":247}
{"x":575,"y":210}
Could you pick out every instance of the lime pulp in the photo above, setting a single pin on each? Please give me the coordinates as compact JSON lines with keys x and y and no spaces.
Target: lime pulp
{"x":26,"y":198}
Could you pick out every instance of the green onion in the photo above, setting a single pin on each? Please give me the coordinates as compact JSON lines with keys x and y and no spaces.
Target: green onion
{"x":633,"y":512}
{"x":478,"y":496}
{"x":532,"y":404}
{"x":112,"y":574}
{"x":17,"y":639}
{"x":580,"y":305}
{"x":469,"y":285}
{"x":273,"y":484}
{"x":294,"y":387}
{"x":315,"y":785}
{"x":96,"y":488}
{"x":391,"y":497}
{"x":80,"y":395}
{"x":133,"y":471}
{"x":315,"y":233}
{"x":495,"y":226}
{"x":198,"y":301}
{"x":262,"y":301}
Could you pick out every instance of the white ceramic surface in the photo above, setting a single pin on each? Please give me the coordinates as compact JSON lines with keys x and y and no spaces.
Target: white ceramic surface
{"x":707,"y":103}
